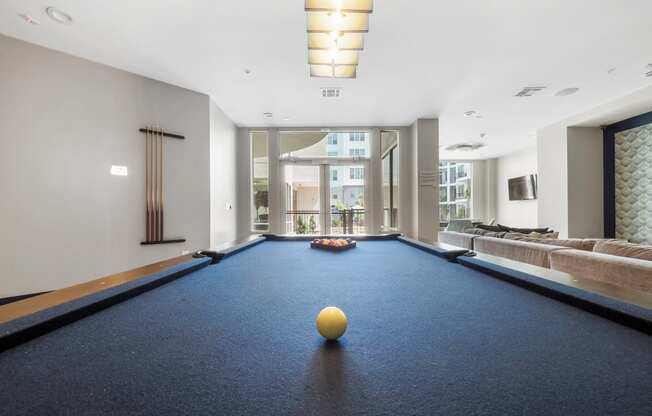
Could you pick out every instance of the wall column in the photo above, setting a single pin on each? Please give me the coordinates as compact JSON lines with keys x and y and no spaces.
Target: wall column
{"x":275,"y":185}
{"x":425,"y":135}
{"x":375,"y":184}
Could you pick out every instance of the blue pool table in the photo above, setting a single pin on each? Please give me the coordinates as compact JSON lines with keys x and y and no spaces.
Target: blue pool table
{"x":426,"y":336}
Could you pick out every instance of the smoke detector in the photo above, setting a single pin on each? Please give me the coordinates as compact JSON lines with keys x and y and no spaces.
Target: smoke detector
{"x":331,"y":92}
{"x":464,"y":147}
{"x":529,"y":91}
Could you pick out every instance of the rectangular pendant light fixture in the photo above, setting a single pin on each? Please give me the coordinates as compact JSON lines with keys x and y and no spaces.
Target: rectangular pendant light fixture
{"x":333,"y":71}
{"x":345,"y":41}
{"x":328,"y":22}
{"x":322,"y":57}
{"x":336,"y":35}
{"x":354,"y":6}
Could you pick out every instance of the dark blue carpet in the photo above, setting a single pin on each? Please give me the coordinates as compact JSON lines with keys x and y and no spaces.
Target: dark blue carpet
{"x":425,"y":337}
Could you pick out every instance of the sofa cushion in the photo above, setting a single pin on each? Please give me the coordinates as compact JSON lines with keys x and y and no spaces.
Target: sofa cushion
{"x":493,"y":228}
{"x":535,"y":254}
{"x":621,"y":271}
{"x":624,"y":249}
{"x":481,"y":231}
{"x":576,"y":243}
{"x":524,"y":230}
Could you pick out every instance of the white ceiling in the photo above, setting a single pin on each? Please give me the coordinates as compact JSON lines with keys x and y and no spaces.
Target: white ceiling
{"x":422,"y":58}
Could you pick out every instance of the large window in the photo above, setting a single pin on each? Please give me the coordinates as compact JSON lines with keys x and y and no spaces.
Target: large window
{"x":260,"y":181}
{"x":316,"y":144}
{"x":389,"y":155}
{"x":455,"y":191}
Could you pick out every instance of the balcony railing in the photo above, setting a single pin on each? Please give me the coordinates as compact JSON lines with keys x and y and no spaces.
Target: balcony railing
{"x":346,"y":221}
{"x":302,"y":222}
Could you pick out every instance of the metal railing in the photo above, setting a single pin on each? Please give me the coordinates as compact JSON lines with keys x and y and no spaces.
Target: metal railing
{"x":346,"y":221}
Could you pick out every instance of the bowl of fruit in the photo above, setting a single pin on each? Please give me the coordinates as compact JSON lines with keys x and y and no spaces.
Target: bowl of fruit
{"x":332,"y":244}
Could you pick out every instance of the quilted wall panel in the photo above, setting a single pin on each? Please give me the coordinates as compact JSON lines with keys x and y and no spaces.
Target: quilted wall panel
{"x":633,"y":157}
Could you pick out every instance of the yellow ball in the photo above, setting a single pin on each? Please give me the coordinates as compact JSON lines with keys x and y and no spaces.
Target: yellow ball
{"x":331,"y":323}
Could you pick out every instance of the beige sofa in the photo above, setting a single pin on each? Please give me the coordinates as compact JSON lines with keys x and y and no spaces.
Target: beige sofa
{"x":622,"y":264}
{"x":633,"y":273}
{"x":525,"y":252}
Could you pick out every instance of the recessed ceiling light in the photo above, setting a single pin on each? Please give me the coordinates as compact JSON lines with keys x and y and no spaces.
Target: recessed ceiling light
{"x":58,"y":16}
{"x":567,"y":91}
{"x":247,"y":71}
{"x":611,"y":70}
{"x":470,"y":113}
{"x":268,"y":115}
{"x":29,"y":19}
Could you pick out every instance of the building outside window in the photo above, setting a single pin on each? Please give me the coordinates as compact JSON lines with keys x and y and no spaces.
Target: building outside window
{"x":356,"y":173}
{"x":334,"y":175}
{"x":455,"y":191}
{"x":357,"y":152}
{"x":357,"y":137}
{"x":332,"y":139}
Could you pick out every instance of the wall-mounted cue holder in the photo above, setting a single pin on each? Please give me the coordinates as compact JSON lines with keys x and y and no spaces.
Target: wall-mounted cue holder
{"x":154,"y":186}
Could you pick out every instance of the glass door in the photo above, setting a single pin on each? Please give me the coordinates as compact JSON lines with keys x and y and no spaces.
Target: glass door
{"x":302,"y":211}
{"x":347,"y":198}
{"x":324,"y":197}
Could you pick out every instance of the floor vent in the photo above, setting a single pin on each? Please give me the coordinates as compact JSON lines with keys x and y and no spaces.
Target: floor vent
{"x":529,"y":91}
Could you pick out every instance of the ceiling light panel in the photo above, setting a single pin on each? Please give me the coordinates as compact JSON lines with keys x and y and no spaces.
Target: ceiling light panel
{"x":343,"y":41}
{"x":333,"y":57}
{"x":345,"y":71}
{"x":328,"y":22}
{"x":357,"y":6}
{"x":333,"y":71}
{"x":336,"y":31}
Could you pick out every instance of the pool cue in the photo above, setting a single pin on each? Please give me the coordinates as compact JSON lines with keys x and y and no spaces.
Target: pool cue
{"x":155,"y":175}
{"x":161,"y":185}
{"x":148,"y":208}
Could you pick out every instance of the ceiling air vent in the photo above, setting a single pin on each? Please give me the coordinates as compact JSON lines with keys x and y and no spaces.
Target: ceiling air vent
{"x":529,"y":91}
{"x":464,"y":147}
{"x":331,"y":92}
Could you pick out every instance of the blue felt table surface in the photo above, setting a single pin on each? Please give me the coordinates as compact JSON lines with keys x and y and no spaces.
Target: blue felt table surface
{"x":425,"y":337}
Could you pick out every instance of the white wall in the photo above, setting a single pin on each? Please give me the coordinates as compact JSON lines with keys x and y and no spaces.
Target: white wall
{"x":553,"y":179}
{"x":63,"y":122}
{"x":515,"y":213}
{"x":224,"y":201}
{"x":585,"y":182}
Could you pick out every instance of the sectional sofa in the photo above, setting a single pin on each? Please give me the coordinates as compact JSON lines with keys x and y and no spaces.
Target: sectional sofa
{"x":616,"y":262}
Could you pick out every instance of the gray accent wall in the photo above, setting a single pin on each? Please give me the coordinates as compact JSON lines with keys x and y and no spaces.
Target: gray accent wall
{"x":633,"y":157}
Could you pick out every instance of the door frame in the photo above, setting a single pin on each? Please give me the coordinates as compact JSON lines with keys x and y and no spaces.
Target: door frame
{"x":324,"y":164}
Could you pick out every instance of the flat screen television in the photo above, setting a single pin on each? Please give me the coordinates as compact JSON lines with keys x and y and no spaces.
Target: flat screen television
{"x":523,"y":188}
